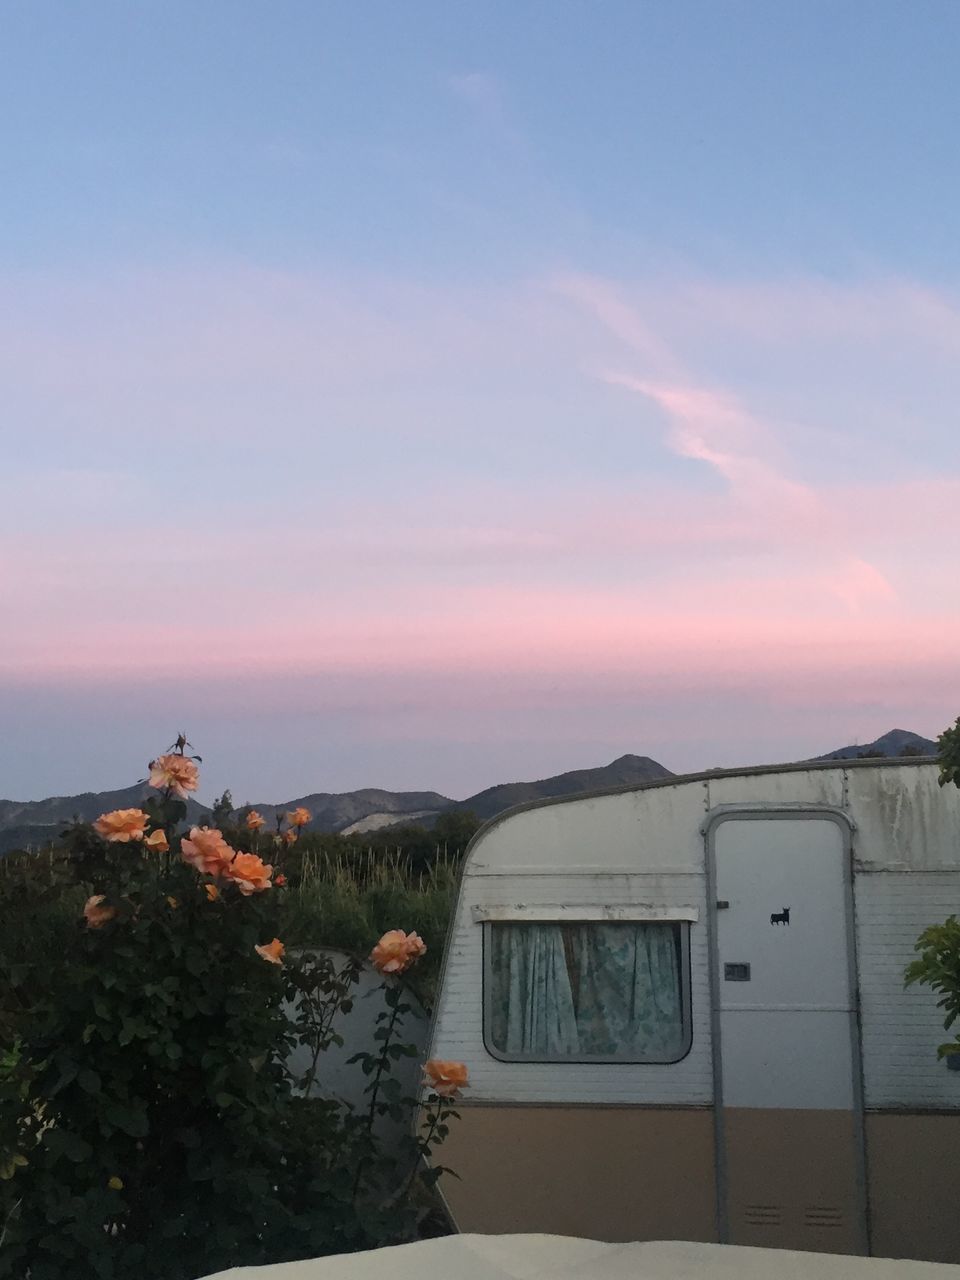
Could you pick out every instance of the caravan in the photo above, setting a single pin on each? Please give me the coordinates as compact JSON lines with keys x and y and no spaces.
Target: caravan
{"x":683,"y":1010}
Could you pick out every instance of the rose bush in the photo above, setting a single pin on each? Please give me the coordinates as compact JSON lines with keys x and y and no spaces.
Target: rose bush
{"x":150,"y":1124}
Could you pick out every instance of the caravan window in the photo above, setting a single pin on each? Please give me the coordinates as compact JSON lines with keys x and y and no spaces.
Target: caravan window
{"x":586,"y":992}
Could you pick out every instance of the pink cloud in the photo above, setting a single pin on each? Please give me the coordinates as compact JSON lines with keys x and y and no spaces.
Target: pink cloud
{"x":708,"y":426}
{"x":538,"y":536}
{"x":759,"y":624}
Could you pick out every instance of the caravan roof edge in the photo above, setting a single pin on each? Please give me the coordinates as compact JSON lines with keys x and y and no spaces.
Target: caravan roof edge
{"x":707,"y":775}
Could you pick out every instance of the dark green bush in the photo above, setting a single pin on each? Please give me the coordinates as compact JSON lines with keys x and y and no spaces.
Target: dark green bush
{"x":149,"y":1125}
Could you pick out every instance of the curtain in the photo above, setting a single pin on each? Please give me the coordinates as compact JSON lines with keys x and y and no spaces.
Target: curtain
{"x":586,"y":991}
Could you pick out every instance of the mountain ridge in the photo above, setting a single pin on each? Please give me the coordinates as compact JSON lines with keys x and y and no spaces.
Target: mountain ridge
{"x":895,"y":743}
{"x":624,"y":771}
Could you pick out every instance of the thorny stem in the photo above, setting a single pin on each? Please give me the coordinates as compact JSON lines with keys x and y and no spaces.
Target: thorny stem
{"x":321,"y":1032}
{"x":381,"y":1067}
{"x":423,"y":1151}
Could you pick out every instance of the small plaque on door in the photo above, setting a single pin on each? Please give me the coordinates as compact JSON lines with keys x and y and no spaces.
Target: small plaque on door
{"x":736,"y":973}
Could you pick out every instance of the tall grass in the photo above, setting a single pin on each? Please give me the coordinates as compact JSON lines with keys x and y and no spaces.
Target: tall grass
{"x":348,"y":901}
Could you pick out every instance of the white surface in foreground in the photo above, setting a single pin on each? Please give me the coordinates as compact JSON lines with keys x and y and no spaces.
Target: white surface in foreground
{"x":532,"y":1257}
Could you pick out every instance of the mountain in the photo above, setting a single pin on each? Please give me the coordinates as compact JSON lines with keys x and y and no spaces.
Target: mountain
{"x":624,"y":772}
{"x":336,"y":811}
{"x":31,"y":823}
{"x":896,"y":743}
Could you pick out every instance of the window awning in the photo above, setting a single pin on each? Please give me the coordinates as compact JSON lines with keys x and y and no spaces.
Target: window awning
{"x":584,"y":913}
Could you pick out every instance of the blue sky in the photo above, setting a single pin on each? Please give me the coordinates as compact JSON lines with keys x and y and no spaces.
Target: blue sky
{"x":468,"y":139}
{"x":452,"y":393}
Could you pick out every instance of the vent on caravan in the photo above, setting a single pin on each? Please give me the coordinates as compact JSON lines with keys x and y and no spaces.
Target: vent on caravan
{"x":762,"y":1215}
{"x":820,"y":1215}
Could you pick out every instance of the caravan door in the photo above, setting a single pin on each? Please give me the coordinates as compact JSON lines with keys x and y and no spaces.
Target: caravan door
{"x":789,"y":1123}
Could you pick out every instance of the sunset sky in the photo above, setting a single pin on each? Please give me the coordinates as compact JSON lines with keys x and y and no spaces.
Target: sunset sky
{"x":436,"y":394}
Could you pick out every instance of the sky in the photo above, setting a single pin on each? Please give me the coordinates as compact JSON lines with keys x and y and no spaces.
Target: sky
{"x":433,"y":395}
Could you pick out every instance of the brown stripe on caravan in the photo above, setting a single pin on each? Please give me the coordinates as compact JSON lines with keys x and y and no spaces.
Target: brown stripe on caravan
{"x":602,"y":1172}
{"x":912,"y":1174}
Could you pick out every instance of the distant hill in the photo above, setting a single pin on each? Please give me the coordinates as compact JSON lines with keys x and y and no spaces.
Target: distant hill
{"x":33,"y":823}
{"x":895,"y":744}
{"x":334,"y":811}
{"x":623,"y":772}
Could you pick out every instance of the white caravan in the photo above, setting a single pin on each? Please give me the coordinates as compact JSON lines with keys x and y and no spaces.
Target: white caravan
{"x":683,"y":1011}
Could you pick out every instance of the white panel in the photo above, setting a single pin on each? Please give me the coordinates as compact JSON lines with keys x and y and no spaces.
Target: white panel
{"x":786,"y":1003}
{"x":787,"y":1059}
{"x":904,"y":818}
{"x":792,"y":787}
{"x":656,"y":829}
{"x":902,"y":1026}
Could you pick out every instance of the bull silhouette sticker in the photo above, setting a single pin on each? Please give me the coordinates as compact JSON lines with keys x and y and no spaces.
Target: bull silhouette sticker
{"x":781,"y":917}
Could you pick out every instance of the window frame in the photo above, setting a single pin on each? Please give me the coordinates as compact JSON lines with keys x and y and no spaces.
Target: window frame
{"x":680,"y":922}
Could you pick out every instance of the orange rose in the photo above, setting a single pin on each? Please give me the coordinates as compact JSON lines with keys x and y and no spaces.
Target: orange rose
{"x":157,"y":840}
{"x":280,"y":881}
{"x":207,"y":850}
{"x":299,"y":818}
{"x":96,"y":915}
{"x":122,"y":825}
{"x":172,"y":903}
{"x":289,"y":837}
{"x":254,"y":821}
{"x":396,"y":951}
{"x":445,"y":1078}
{"x":177,"y":772}
{"x":273,"y":951}
{"x":212,"y":892}
{"x":249,"y":874}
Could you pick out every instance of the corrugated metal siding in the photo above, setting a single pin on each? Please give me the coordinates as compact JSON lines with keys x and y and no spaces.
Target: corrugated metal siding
{"x":458,"y":1030}
{"x":901,"y":1028}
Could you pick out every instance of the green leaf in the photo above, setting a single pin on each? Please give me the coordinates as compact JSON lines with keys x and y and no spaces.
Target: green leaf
{"x":68,"y":1073}
{"x":89,"y":1081}
{"x":64,"y":1142}
{"x":128,"y":1119}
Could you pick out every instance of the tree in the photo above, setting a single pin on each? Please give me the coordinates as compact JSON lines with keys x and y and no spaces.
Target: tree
{"x":949,"y":757}
{"x":222,"y":811}
{"x":456,"y":828}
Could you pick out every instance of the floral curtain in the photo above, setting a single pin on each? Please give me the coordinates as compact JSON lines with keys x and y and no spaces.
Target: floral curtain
{"x":586,"y":991}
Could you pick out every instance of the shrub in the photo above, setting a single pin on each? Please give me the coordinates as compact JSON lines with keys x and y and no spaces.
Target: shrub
{"x":151,"y":1126}
{"x":938,"y":965}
